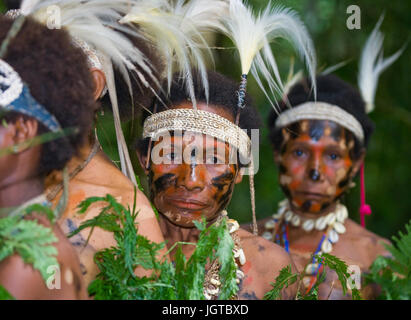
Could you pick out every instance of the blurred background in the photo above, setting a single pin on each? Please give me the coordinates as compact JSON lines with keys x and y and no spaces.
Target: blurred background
{"x":388,"y":160}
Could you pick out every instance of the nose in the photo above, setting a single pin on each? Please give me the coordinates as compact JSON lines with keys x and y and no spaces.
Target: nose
{"x":314,"y":168}
{"x":314,"y":175}
{"x":192,"y":177}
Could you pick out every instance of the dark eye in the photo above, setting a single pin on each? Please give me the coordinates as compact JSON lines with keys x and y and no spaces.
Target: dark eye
{"x":334,"y":156}
{"x":298,"y":152}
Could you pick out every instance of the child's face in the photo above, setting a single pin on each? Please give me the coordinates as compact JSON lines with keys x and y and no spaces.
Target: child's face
{"x":316,"y":164}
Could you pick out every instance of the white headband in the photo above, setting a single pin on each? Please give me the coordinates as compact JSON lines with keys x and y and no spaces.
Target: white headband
{"x":321,"y":111}
{"x":198,"y":121}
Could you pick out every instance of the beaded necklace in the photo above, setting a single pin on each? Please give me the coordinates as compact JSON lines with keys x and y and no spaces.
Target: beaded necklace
{"x":332,"y":223}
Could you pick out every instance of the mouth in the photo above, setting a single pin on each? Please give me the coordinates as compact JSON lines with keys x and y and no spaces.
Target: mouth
{"x":312,"y":195}
{"x":187,"y":204}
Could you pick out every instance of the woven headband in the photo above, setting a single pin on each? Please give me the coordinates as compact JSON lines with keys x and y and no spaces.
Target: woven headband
{"x":198,"y":121}
{"x":321,"y":111}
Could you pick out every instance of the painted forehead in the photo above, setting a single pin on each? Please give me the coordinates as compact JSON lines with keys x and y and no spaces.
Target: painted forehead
{"x":317,"y":129}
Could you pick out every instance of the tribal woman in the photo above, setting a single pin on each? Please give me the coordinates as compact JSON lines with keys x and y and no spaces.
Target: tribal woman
{"x":319,"y":147}
{"x":45,"y":89}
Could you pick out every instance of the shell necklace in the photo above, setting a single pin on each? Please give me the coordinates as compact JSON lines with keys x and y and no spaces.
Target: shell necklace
{"x":212,"y":284}
{"x":333,"y":223}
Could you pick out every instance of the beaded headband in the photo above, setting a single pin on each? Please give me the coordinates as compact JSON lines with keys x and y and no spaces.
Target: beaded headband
{"x":15,"y":96}
{"x":321,"y":111}
{"x":198,"y":121}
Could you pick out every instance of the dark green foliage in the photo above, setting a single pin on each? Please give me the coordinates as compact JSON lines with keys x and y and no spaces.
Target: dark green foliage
{"x":32,"y":241}
{"x":181,"y":280}
{"x":393,"y":274}
{"x":284,"y":279}
{"x":287,"y":278}
{"x":5,"y":295}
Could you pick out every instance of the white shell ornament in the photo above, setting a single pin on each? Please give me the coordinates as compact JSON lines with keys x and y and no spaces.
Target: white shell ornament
{"x":311,"y":268}
{"x":308,"y":225}
{"x":270,"y":224}
{"x":326,"y":246}
{"x":267,"y":235}
{"x":339,"y":227}
{"x":295,"y":221}
{"x":333,"y":236}
{"x":330,"y":219}
{"x":320,"y":223}
{"x":288,"y":216}
{"x":342,"y":213}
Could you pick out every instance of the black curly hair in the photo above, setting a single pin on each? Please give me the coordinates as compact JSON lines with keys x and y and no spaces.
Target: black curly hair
{"x":332,"y":90}
{"x":58,"y":77}
{"x":222,"y":92}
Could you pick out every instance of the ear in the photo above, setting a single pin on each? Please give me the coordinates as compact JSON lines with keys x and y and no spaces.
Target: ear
{"x":99,"y":82}
{"x":142,"y":159}
{"x":357,"y":164}
{"x":276,"y":157}
{"x":23,"y":131}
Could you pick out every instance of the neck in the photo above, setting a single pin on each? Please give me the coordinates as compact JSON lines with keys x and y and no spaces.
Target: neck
{"x":20,"y":192}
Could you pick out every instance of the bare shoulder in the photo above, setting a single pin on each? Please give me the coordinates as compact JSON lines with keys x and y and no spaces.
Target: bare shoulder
{"x":261,"y":250}
{"x":25,"y":282}
{"x":356,"y":231}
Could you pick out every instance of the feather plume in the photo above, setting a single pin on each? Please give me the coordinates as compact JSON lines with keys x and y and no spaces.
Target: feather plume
{"x":252,"y":35}
{"x":96,"y":23}
{"x":177,"y":31}
{"x":372,"y":64}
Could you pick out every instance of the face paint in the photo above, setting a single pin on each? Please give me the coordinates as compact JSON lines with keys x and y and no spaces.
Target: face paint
{"x":193,"y":188}
{"x":317,"y":164}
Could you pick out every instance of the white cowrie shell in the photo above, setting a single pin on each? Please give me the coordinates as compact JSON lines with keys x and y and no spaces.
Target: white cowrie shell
{"x":212,"y":292}
{"x":339,"y":227}
{"x":342,"y":213}
{"x":307,"y":281}
{"x":232,"y":225}
{"x":267,"y":235}
{"x":311,"y":268}
{"x":240,"y":274}
{"x":283,"y":203}
{"x":308,"y":225}
{"x":320,"y":223}
{"x":236,"y":253}
{"x":326,"y":246}
{"x":241,"y":257}
{"x":270,"y":224}
{"x":288,"y":216}
{"x":330,"y":219}
{"x":333,"y":236}
{"x":295,"y":221}
{"x":207,"y":296}
{"x":215,"y":282}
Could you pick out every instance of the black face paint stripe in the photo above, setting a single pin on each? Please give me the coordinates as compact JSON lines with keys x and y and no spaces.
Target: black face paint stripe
{"x":316,"y":129}
{"x":306,"y":205}
{"x":221,"y":181}
{"x":162,"y":182}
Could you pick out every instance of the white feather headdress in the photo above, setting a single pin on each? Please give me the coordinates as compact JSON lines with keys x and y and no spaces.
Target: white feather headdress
{"x":252,"y":35}
{"x":372,"y":64}
{"x":95,"y":22}
{"x":177,"y":31}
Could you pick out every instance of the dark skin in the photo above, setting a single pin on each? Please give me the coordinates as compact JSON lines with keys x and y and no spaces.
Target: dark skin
{"x":18,"y":184}
{"x":317,"y":164}
{"x":85,"y":185}
{"x":184,"y":191}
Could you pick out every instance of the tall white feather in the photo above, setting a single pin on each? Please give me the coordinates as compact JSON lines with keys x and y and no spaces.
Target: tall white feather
{"x":372,"y":63}
{"x":96,"y":23}
{"x":177,"y":31}
{"x":252,"y":35}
